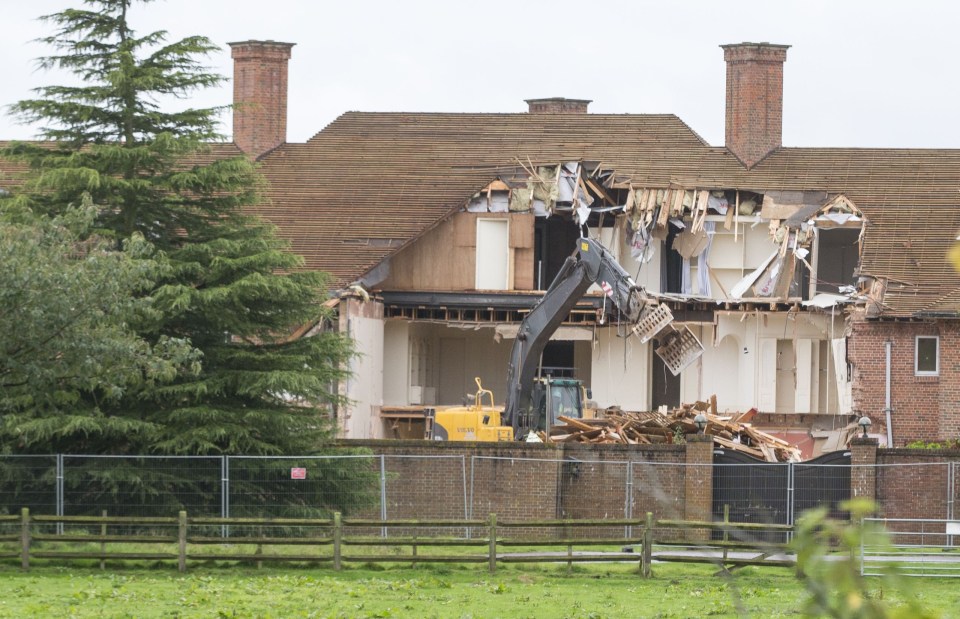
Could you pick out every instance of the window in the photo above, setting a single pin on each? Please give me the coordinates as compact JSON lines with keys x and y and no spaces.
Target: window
{"x":927,"y":359}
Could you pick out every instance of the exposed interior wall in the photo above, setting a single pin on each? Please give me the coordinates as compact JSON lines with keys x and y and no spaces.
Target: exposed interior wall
{"x":620,"y":372}
{"x":363,"y":322}
{"x":647,"y":274}
{"x":440,"y":362}
{"x":780,"y":367}
{"x":717,"y":372}
{"x":733,"y":254}
{"x":396,"y":372}
{"x":446,"y":257}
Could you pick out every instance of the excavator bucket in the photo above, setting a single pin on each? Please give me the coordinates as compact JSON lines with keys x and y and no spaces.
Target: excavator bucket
{"x":678,"y":348}
{"x":653,"y":322}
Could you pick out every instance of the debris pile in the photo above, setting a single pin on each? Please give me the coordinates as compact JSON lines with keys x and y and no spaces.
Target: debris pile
{"x":642,"y":428}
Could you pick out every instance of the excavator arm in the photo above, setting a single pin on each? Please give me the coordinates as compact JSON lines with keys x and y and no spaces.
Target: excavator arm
{"x":591,"y":264}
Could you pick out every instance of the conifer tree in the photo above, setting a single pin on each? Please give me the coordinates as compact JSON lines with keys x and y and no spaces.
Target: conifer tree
{"x":232,"y":288}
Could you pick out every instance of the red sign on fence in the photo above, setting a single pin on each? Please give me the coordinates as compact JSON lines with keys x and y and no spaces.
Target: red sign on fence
{"x":298,"y":473}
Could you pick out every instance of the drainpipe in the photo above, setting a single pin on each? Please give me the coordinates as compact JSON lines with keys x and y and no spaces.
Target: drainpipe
{"x":887,"y":410}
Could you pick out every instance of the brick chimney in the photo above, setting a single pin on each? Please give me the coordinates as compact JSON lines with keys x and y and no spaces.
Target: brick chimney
{"x":259,"y":95}
{"x":557,"y":105}
{"x":754,"y":99}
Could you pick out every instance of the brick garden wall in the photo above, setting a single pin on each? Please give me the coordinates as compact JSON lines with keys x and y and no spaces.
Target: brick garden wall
{"x":521,"y":481}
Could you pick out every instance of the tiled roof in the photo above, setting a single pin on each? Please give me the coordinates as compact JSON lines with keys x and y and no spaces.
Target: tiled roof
{"x":370,"y":182}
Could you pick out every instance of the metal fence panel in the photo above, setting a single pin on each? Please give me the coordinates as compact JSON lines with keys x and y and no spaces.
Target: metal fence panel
{"x":141,"y":485}
{"x":28,"y":481}
{"x":304,"y":486}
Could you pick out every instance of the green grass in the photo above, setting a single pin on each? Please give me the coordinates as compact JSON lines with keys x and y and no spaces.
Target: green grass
{"x":210,"y":590}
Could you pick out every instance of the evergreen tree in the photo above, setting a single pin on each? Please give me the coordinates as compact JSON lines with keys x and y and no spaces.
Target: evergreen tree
{"x":67,"y":303}
{"x":232,"y":288}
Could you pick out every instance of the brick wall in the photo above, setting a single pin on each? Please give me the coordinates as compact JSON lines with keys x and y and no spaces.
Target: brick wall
{"x":912,"y":483}
{"x":754,"y":114}
{"x":924,"y":407}
{"x":519,"y":481}
{"x":557,"y":105}
{"x":259,"y":95}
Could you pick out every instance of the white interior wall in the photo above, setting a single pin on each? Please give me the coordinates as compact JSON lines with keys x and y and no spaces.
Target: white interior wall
{"x":717,"y":372}
{"x":757,"y":335}
{"x":396,"y":373}
{"x":620,"y":371}
{"x":363,"y":323}
{"x":732,"y":256}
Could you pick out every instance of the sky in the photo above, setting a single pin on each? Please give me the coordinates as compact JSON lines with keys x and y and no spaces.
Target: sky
{"x":858,"y":73}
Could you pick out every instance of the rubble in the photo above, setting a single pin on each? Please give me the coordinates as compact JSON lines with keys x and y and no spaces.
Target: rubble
{"x":643,"y":428}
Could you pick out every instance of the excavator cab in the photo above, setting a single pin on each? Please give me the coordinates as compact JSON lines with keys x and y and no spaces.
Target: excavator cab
{"x":554,"y":398}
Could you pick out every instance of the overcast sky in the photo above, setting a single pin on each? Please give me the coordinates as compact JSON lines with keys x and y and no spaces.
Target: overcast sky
{"x":878,"y":73}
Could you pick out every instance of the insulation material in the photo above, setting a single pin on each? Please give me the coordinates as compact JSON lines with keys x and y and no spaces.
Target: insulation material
{"x":545,"y":186}
{"x":520,"y":198}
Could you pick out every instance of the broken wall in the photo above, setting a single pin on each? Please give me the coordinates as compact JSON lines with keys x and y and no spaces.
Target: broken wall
{"x":784,"y":361}
{"x":445,"y":258}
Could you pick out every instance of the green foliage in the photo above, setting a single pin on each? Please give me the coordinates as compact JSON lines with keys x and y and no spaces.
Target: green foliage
{"x":827,"y":558}
{"x":68,"y":305}
{"x":946,"y":444}
{"x":228,"y":286}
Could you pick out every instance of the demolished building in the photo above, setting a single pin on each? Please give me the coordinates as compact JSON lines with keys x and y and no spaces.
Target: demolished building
{"x":816,"y":279}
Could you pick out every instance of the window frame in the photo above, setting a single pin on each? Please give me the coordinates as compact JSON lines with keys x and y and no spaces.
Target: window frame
{"x":916,"y":356}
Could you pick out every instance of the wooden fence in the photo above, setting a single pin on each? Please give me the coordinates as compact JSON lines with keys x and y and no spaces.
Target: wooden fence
{"x":332,"y":541}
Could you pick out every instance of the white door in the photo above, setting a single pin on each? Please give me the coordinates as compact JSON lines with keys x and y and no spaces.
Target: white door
{"x":493,"y":254}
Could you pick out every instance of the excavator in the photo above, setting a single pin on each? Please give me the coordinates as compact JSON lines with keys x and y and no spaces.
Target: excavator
{"x":535,"y":403}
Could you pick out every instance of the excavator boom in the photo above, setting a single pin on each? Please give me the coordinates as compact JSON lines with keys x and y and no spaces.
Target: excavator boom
{"x":591,"y":264}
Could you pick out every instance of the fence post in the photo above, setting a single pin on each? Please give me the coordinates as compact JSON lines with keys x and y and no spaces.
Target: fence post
{"x":492,"y":553}
{"x":60,"y":499}
{"x":726,"y":529}
{"x":383,"y":494}
{"x":182,"y":542}
{"x":103,"y":544}
{"x":647,"y":555}
{"x":25,"y":538}
{"x":337,"y":538}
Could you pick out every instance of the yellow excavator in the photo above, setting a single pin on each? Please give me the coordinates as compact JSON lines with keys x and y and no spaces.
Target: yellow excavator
{"x":535,"y":403}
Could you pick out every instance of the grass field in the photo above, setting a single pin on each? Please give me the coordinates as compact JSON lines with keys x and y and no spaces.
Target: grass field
{"x":680,"y":591}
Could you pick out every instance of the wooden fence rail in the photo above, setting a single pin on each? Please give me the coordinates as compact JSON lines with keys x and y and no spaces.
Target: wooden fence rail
{"x":328,"y":541}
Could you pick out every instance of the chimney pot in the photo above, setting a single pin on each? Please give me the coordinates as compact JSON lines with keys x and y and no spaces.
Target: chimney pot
{"x":557,"y":105}
{"x":754,"y":125}
{"x":259,"y":95}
